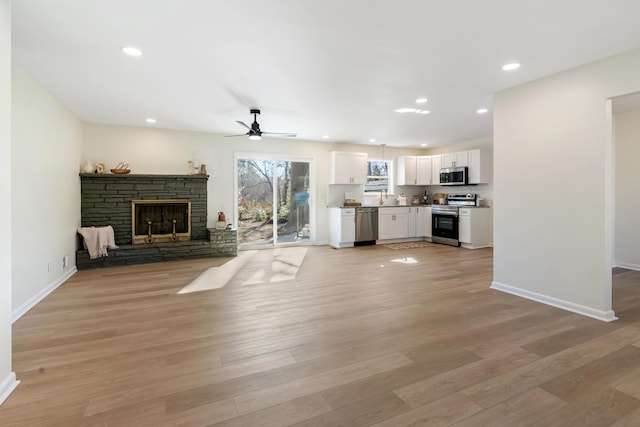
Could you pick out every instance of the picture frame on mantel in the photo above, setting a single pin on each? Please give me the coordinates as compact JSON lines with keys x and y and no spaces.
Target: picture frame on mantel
{"x":221,"y":225}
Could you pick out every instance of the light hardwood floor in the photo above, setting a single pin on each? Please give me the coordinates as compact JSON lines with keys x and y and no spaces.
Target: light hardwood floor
{"x":354,"y":340}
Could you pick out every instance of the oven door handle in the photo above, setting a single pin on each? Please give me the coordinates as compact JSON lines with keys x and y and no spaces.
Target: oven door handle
{"x":445,"y":213}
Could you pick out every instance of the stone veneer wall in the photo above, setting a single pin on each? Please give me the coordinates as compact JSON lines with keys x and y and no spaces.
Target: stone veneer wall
{"x":106,"y":200}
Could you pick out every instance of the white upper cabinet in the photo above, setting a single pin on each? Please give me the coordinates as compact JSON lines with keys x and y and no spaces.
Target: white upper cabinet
{"x":347,"y":168}
{"x":436,"y":162}
{"x":455,"y":160}
{"x":480,"y":166}
{"x":424,"y":170}
{"x":407,"y":169}
{"x":414,"y":170}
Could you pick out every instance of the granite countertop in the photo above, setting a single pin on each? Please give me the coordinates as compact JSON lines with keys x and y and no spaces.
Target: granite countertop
{"x":402,"y":206}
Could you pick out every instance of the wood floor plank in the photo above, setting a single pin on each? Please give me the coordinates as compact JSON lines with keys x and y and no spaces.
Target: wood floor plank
{"x":601,"y":408}
{"x":362,"y":413}
{"x":442,"y":412}
{"x":121,"y":346}
{"x":521,"y":410}
{"x":284,"y":414}
{"x":281,"y":393}
{"x":426,"y":391}
{"x":502,"y":387}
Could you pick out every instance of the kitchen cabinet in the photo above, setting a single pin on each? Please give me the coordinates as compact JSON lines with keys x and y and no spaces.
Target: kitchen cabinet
{"x":480,"y":166}
{"x":427,"y":222}
{"x":474,"y":227}
{"x":418,"y":221}
{"x":424,"y":169}
{"x":342,"y":227}
{"x":455,"y":160}
{"x":407,"y":170}
{"x":436,"y":165}
{"x":414,"y":170}
{"x":393,"y":223}
{"x":347,"y":168}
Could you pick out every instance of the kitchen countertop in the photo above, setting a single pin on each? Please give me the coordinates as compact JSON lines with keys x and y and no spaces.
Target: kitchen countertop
{"x":402,"y":206}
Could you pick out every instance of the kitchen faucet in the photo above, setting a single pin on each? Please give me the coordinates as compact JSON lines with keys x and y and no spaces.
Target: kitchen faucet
{"x":385,"y":196}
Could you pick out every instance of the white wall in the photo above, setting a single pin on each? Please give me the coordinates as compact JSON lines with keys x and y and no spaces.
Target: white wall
{"x":556,"y":246}
{"x":160,"y":151}
{"x":627,"y":200}
{"x":7,"y":378}
{"x":150,"y":150}
{"x":46,"y":148}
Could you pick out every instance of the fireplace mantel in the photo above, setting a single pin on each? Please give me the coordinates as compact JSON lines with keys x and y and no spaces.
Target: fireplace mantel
{"x":132,"y":175}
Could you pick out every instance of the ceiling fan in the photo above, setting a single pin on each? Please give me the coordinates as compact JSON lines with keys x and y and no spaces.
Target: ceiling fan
{"x":254,"y":130}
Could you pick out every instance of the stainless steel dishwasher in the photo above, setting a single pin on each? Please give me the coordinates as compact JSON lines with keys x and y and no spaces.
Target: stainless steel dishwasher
{"x":366,"y":224}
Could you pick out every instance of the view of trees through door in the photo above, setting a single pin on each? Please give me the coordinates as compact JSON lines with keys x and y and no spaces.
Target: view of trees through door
{"x":273,"y":202}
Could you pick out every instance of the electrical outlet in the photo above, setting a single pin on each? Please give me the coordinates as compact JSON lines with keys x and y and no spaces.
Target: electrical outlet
{"x":65,"y":261}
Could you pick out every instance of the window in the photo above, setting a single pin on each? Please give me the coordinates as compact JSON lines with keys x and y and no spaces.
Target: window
{"x":378,"y":176}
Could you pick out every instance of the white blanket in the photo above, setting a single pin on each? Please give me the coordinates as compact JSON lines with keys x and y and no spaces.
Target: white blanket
{"x":97,"y":240}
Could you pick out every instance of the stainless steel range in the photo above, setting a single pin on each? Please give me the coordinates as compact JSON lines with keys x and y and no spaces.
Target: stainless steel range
{"x":444,"y":223}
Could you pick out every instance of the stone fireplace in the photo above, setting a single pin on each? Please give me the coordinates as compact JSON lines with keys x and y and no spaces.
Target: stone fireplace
{"x":129,"y":202}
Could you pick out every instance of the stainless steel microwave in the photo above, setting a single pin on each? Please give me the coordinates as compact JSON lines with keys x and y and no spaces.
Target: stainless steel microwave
{"x":454,"y":176}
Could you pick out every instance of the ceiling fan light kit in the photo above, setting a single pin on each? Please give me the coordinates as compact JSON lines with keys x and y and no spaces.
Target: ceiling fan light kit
{"x":254,"y":132}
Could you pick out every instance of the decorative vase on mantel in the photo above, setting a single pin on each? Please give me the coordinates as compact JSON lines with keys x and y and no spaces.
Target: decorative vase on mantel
{"x":87,"y":167}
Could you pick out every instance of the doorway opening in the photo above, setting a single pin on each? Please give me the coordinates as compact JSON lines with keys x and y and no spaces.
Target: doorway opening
{"x":273,"y":205}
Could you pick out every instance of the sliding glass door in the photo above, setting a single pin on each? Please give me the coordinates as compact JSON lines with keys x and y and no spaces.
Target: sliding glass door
{"x":273,"y":197}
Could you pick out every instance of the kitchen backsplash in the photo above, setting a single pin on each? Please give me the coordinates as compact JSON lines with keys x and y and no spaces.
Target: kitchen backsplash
{"x":484,"y":191}
{"x":336,"y":193}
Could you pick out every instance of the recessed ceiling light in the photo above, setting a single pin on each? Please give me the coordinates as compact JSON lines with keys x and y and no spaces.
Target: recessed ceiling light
{"x":511,"y":66}
{"x":421,"y":101}
{"x":423,"y":111}
{"x":372,"y":140}
{"x":132,"y":51}
{"x":150,"y":120}
{"x":482,"y":110}
{"x":326,"y":136}
{"x":405,"y":110}
{"x":423,"y":145}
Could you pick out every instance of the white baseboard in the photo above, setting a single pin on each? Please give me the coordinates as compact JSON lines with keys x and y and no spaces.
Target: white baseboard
{"x":7,"y":386}
{"x":20,"y":311}
{"x":605,"y":316}
{"x":627,"y":265}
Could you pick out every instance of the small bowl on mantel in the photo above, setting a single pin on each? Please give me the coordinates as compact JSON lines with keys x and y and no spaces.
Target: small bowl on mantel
{"x":120,"y":171}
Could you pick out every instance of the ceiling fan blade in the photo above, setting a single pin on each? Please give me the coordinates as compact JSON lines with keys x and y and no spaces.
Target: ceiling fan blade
{"x":242,"y":134}
{"x":243,"y":124}
{"x":292,"y":135}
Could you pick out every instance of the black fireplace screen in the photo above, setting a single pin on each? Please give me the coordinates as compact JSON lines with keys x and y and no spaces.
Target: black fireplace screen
{"x":161,"y":216}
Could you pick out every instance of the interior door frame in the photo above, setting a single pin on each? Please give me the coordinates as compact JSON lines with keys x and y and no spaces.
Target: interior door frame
{"x":287,"y":158}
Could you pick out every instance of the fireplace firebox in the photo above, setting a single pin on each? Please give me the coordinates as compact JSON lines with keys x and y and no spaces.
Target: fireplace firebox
{"x":155,"y":221}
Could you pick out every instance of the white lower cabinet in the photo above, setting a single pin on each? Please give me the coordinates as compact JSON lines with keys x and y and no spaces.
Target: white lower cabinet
{"x":418,"y":221}
{"x":427,"y":222}
{"x":393,"y":223}
{"x":404,"y":222}
{"x":474,"y":227}
{"x":342,"y":227}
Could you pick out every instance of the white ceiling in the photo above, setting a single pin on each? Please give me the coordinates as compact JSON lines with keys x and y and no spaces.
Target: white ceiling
{"x":336,"y":67}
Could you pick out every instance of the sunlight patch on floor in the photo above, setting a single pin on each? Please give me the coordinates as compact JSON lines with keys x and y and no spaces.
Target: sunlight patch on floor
{"x":218,"y":277}
{"x":269,"y":266}
{"x":408,"y":260}
{"x":284,"y":266}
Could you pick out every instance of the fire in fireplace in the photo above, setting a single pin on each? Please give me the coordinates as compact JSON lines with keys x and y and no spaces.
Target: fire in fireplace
{"x":154,"y":221}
